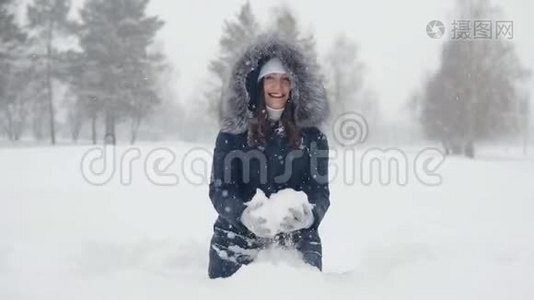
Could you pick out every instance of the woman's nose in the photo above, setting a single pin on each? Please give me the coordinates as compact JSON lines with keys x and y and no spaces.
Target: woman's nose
{"x":277,"y":85}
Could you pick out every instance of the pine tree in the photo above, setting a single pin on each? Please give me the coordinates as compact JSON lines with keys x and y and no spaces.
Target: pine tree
{"x":287,"y":27}
{"x":14,"y":73}
{"x":83,"y":90}
{"x":115,"y":36}
{"x":48,"y":21}
{"x":237,"y":34}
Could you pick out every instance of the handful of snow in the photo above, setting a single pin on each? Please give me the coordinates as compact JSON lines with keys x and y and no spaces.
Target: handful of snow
{"x":273,"y":213}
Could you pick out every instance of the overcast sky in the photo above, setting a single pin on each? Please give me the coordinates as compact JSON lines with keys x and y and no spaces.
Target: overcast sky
{"x":391,"y":36}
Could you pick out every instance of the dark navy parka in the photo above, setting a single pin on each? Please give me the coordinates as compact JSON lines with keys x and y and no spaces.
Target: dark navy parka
{"x":230,"y":191}
{"x":240,"y":169}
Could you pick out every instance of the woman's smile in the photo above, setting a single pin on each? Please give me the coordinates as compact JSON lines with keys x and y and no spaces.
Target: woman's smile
{"x":277,"y":87}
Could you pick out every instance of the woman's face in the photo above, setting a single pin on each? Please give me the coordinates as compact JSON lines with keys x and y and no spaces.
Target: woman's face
{"x":276,"y":88}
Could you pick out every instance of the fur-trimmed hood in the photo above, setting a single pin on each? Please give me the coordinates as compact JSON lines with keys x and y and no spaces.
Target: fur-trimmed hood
{"x":241,"y":92}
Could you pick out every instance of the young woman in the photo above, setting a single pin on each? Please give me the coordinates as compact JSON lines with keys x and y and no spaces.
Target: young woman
{"x":269,"y":141}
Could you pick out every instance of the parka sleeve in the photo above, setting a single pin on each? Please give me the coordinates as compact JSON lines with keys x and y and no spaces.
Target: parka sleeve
{"x":226,"y":186}
{"x":316,"y":181}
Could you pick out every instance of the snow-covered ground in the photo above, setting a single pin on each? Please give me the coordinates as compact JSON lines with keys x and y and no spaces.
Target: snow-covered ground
{"x":472,"y":237}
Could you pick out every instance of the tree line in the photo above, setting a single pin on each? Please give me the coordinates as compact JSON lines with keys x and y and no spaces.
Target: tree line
{"x":102,"y":64}
{"x":114,"y":74}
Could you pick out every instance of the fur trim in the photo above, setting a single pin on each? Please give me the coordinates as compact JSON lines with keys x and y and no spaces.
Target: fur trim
{"x":307,"y":91}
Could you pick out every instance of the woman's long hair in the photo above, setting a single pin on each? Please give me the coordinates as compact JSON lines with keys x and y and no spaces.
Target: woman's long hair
{"x":260,"y":129}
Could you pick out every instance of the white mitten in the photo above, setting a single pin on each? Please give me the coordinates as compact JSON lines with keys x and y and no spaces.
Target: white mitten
{"x":252,"y":217}
{"x":297,"y":218}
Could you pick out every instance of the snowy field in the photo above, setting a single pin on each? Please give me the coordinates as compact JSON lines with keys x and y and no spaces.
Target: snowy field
{"x":472,"y":237}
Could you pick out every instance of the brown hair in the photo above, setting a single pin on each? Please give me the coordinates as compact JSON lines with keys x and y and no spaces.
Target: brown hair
{"x":259,"y":128}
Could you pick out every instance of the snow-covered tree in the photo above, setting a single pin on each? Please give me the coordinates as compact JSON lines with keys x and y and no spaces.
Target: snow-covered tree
{"x":14,"y":73}
{"x":48,"y":21}
{"x":345,"y":77}
{"x":237,"y":34}
{"x":83,"y":93}
{"x":118,"y":69}
{"x":287,"y":27}
{"x":475,"y":93}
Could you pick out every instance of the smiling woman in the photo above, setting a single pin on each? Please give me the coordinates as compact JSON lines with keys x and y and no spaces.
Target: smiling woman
{"x":274,"y":93}
{"x":276,"y":87}
{"x":273,"y":107}
{"x":276,"y":84}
